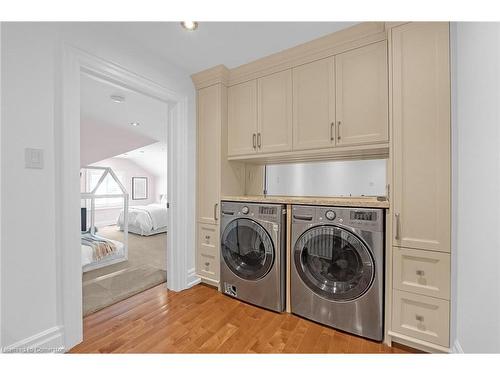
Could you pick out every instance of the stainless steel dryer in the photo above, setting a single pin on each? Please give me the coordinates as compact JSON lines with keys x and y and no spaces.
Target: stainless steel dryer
{"x":253,"y":249}
{"x":337,"y":273}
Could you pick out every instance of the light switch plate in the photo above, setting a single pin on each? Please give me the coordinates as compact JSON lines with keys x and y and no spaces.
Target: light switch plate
{"x":33,"y":158}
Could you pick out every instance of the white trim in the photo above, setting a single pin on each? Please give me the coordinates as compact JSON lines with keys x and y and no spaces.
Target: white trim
{"x":457,"y":348}
{"x":1,"y":284}
{"x":50,"y":340}
{"x":74,"y":62}
{"x":193,"y":279}
{"x":417,"y":343}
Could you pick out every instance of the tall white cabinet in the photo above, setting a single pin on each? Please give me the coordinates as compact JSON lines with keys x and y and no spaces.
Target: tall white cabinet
{"x":421,"y":199}
{"x":215,"y":175}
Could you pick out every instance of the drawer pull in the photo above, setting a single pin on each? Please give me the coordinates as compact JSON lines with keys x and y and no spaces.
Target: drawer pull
{"x":207,"y":264}
{"x":420,"y":273}
{"x":207,"y":237}
{"x":419,"y":318}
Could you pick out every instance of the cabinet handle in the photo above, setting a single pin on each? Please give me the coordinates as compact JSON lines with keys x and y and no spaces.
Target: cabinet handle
{"x":215,"y":211}
{"x":331,"y":130}
{"x":258,"y":140}
{"x":419,"y":318}
{"x":207,"y":264}
{"x":254,"y":142}
{"x":338,"y":130}
{"x":420,"y":273}
{"x":397,"y":226}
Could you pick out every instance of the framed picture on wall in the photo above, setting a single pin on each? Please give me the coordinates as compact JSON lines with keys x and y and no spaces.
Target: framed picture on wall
{"x":139,"y":188}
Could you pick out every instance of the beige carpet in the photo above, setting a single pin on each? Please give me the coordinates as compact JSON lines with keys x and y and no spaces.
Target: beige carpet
{"x":145,"y":268}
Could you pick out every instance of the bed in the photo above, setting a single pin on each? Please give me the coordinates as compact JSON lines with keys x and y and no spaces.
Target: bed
{"x":145,"y":220}
{"x":89,"y":262}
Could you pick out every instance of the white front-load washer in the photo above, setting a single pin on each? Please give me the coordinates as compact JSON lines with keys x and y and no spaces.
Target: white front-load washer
{"x":253,"y":253}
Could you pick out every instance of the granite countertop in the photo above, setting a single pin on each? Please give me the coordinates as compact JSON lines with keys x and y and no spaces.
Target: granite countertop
{"x":369,"y":202}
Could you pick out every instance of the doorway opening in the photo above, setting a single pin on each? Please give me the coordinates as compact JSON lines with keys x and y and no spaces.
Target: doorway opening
{"x":123,"y":184}
{"x":180,"y":243}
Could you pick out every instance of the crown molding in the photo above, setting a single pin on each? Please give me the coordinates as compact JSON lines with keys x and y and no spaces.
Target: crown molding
{"x":209,"y":77}
{"x":341,"y":41}
{"x":353,"y":37}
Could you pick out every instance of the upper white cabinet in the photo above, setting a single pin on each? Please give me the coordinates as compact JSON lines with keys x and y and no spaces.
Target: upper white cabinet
{"x":319,"y":106}
{"x":361,"y":93}
{"x":242,"y":119}
{"x":314,"y":105}
{"x":421,"y":128}
{"x":274,"y":112}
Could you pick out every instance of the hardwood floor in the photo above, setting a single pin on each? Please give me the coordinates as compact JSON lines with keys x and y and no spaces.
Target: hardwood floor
{"x":202,"y":320}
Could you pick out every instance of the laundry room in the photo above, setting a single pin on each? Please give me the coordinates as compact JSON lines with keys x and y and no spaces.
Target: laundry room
{"x":315,"y":187}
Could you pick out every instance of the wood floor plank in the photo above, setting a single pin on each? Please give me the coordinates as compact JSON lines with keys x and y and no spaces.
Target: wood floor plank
{"x":202,"y":320}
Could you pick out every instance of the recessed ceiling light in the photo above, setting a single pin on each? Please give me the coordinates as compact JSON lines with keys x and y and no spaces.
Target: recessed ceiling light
{"x":142,"y":151}
{"x":117,"y":98}
{"x":134,"y":123}
{"x":189,"y":25}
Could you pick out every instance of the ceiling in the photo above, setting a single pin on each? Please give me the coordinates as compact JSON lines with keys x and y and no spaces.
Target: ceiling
{"x":152,"y":158}
{"x":214,"y":43}
{"x":96,"y":104}
{"x":106,"y":128}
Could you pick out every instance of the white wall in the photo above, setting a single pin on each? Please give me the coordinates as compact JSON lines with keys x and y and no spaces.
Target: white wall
{"x":476,"y":113}
{"x":31,"y":63}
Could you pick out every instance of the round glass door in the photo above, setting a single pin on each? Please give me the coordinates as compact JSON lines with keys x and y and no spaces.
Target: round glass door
{"x":247,"y":249}
{"x":334,"y":263}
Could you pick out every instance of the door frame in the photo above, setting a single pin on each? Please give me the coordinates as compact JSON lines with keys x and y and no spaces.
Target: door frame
{"x":67,"y":140}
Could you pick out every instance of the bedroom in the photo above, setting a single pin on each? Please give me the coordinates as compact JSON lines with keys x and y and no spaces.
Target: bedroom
{"x":123,"y":184}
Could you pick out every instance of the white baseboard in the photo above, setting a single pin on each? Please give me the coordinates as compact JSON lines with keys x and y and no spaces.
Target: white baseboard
{"x":457,"y":348}
{"x":48,"y":341}
{"x":193,"y":279}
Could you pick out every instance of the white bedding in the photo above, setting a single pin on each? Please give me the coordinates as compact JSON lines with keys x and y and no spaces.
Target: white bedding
{"x":87,"y":253}
{"x":147,"y":218}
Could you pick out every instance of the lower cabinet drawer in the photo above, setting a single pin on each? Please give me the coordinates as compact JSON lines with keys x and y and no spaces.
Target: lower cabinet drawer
{"x":422,"y":272}
{"x":208,"y":266}
{"x":421,"y":317}
{"x":208,"y":238}
{"x":207,"y":251}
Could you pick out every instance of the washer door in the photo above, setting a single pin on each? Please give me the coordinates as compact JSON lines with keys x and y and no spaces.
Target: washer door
{"x":334,"y":263}
{"x":247,"y":249}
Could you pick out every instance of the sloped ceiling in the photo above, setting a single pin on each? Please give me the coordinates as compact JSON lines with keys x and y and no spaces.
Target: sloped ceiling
{"x":106,"y":128}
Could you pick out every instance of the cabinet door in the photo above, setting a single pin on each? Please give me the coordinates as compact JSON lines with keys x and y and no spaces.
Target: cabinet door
{"x":362,"y":94}
{"x":242,"y":119}
{"x":209,"y":158}
{"x":314,"y":105}
{"x":421,"y":117}
{"x":274,"y":93}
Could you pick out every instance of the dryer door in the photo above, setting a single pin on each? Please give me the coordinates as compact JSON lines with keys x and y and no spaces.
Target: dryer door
{"x":247,"y":249}
{"x":334,"y":263}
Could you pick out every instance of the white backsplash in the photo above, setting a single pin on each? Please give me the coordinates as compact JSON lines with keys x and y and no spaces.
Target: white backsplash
{"x":330,"y":178}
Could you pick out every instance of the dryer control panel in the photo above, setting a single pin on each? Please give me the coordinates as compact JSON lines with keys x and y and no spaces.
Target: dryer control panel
{"x":371,"y":219}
